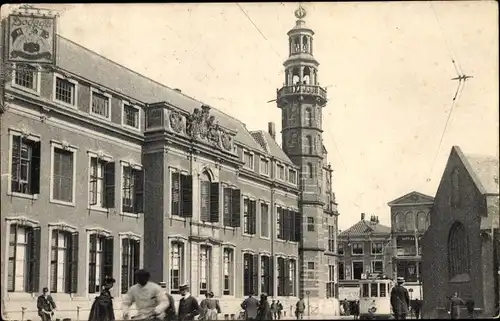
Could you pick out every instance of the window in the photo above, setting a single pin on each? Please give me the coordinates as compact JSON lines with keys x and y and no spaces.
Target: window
{"x":377,"y":248}
{"x":228,"y":269}
{"x":281,"y":172}
{"x":249,"y":216}
{"x":250,"y":274}
{"x":26,"y":76}
{"x":331,"y":238}
{"x":310,"y":170}
{"x":308,"y":117}
{"x":378,"y":267}
{"x":287,"y":220}
{"x":100,"y":105}
{"x":308,"y":144}
{"x":310,"y":224}
{"x":383,"y":290}
{"x":65,"y":91}
{"x":264,"y":220}
{"x":232,"y":210}
{"x":205,"y":268}
{"x":341,"y":271}
{"x":407,"y":270}
{"x":266,"y":275}
{"x":63,"y":175}
{"x":364,"y":290}
{"x":282,"y":276}
{"x":102,"y":183}
{"x":248,"y":159}
{"x":101,"y":261}
{"x":410,"y":221}
{"x":340,"y":248}
{"x":130,"y":116}
{"x":374,"y":290}
{"x":64,"y":262}
{"x":264,"y":166}
{"x":311,"y":270}
{"x":458,"y":251}
{"x":209,"y":199}
{"x":292,"y":176}
{"x":330,"y":285}
{"x":357,"y":248}
{"x":292,"y":277}
{"x":181,"y":194}
{"x":25,"y":178}
{"x":132,"y":190}
{"x":131,"y":250}
{"x":400,"y":222}
{"x":357,"y":270}
{"x":24,"y":259}
{"x":421,"y":221}
{"x":177,"y":259}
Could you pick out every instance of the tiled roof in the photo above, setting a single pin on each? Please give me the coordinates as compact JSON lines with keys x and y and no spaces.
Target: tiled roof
{"x":98,"y":69}
{"x":486,"y":170}
{"x":365,"y":228}
{"x":270,"y":146}
{"x":259,"y":138}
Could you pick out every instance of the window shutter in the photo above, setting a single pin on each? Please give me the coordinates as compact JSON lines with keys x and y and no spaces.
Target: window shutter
{"x":34,"y":260}
{"x":214,"y":202}
{"x":291,"y":219}
{"x":136,"y":257}
{"x":109,"y":185}
{"x":227,"y":206}
{"x":187,"y":195}
{"x":176,"y":194}
{"x":280,"y":225}
{"x":271,"y":276}
{"x":236,"y":208}
{"x":16,"y":163}
{"x":298,"y":226}
{"x":35,"y":168}
{"x":108,"y":257}
{"x":138,"y":191}
{"x":92,"y":263}
{"x":253,"y":217}
{"x":125,"y":265}
{"x":286,"y":224}
{"x":288,"y":284}
{"x":255,"y":274}
{"x":73,"y":264}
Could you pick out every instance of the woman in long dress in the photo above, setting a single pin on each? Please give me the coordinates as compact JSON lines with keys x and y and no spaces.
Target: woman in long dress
{"x":102,"y":308}
{"x":210,"y":308}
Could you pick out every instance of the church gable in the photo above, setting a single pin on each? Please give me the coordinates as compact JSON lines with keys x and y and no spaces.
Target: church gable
{"x":413,"y":198}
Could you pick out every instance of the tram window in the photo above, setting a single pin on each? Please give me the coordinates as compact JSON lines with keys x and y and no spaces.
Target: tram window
{"x":364,"y":289}
{"x":374,"y":290}
{"x":383,"y":288}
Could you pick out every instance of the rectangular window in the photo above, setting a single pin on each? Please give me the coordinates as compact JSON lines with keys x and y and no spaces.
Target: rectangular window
{"x":63,"y":262}
{"x":341,"y":271}
{"x":182,"y":194}
{"x":100,"y":105}
{"x":340,"y":248}
{"x":377,"y":248}
{"x":330,"y":284}
{"x":266,"y":274}
{"x":26,"y":76}
{"x":378,"y":267}
{"x":63,"y":169}
{"x":250,"y":274}
{"x":100,"y":261}
{"x":279,"y":222}
{"x":131,"y":250}
{"x":357,"y":270}
{"x":209,"y":201}
{"x":292,"y":275}
{"x":248,"y":159}
{"x":365,"y":290}
{"x":310,"y":224}
{"x":374,"y":290}
{"x":25,"y":178}
{"x":249,"y":216}
{"x":292,"y":176}
{"x":102,"y":183}
{"x":282,"y":276}
{"x":311,"y":273}
{"x":264,"y":220}
{"x":130,"y":115}
{"x":65,"y":91}
{"x":383,"y":290}
{"x":177,"y":260}
{"x":205,"y":268}
{"x":281,"y":172}
{"x":23,"y":273}
{"x":132,"y":190}
{"x":232,"y":207}
{"x":264,"y":167}
{"x":331,"y":238}
{"x":228,"y":268}
{"x":357,"y":248}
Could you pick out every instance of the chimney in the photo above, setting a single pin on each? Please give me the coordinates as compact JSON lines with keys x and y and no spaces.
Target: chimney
{"x":362,"y":216}
{"x":271,"y":129}
{"x":376,"y":219}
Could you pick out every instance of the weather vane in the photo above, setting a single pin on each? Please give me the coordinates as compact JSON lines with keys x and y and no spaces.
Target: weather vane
{"x":300,"y":13}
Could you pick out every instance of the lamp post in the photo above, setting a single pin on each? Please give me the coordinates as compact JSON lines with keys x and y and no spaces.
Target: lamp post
{"x":308,"y":304}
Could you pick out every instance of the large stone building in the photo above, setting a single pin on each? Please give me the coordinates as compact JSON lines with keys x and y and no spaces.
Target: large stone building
{"x":461,"y":249}
{"x":105,"y":171}
{"x":363,"y":249}
{"x":410,"y":218}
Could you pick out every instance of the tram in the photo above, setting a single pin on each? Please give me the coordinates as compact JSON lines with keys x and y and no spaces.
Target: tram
{"x":375,"y":298}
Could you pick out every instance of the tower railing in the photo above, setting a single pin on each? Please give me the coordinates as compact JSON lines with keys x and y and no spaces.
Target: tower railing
{"x":302,"y":89}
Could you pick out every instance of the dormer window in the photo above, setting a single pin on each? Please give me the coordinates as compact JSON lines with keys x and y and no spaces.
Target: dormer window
{"x":100,"y":105}
{"x":130,"y":116}
{"x":65,"y":91}
{"x":248,"y":159}
{"x":292,"y":176}
{"x":264,"y":167}
{"x":26,"y":77}
{"x":281,"y":172}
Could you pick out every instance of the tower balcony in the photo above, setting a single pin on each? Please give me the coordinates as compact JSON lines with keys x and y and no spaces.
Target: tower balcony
{"x":301,"y":91}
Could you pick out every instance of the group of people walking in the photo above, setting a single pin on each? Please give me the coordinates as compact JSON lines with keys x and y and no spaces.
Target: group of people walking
{"x":254,"y":309}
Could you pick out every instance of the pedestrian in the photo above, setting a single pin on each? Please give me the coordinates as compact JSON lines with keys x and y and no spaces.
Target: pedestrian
{"x":170,"y":314}
{"x":300,"y":307}
{"x":417,"y":307}
{"x":346,"y":306}
{"x":454,"y":306}
{"x":264,"y":309}
{"x":102,"y":307}
{"x":210,"y":307}
{"x":355,"y":309}
{"x":188,"y":305}
{"x":149,"y":298}
{"x":274,"y":310}
{"x":279,"y":308}
{"x":470,"y":304}
{"x":400,"y":300}
{"x":46,"y":305}
{"x":250,"y":305}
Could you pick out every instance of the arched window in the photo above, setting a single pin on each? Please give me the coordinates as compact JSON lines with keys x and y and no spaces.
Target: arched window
{"x":400,"y":223}
{"x":458,"y":251}
{"x":421,"y":221}
{"x":205,"y":197}
{"x":310,"y":170}
{"x":410,"y":221}
{"x":308,"y":117}
{"x":309,"y":144}
{"x":305,"y":44}
{"x":296,"y":43}
{"x":307,"y":76}
{"x":295,"y":76}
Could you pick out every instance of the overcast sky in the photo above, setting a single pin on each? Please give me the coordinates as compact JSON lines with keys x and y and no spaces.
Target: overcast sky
{"x":387,"y":66}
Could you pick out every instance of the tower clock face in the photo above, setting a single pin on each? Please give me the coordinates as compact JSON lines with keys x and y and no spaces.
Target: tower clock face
{"x":292,"y":140}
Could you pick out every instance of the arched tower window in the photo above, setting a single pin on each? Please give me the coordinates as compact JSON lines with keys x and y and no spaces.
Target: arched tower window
{"x":295,"y":76}
{"x":307,"y":76}
{"x":458,"y":251}
{"x":310,"y":170}
{"x":400,"y":223}
{"x":309,"y":145}
{"x":410,"y":221}
{"x":305,"y":44}
{"x":308,"y":119}
{"x":296,"y":44}
{"x":205,"y":197}
{"x":421,"y":221}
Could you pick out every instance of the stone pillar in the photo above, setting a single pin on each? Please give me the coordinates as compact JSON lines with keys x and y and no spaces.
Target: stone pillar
{"x":301,"y":75}
{"x":193,"y":268}
{"x":215,"y":278}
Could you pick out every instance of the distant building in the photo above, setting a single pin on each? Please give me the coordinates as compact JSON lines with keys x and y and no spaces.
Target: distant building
{"x":363,"y":249}
{"x":461,"y":248}
{"x":410,"y":218}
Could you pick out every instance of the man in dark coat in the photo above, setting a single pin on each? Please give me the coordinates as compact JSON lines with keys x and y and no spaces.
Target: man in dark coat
{"x":469,"y":304}
{"x":102,"y":308}
{"x":455,"y":304}
{"x":400,"y":300}
{"x":46,"y":305}
{"x":417,"y":308}
{"x":188,"y":305}
{"x":251,"y":306}
{"x":264,"y":310}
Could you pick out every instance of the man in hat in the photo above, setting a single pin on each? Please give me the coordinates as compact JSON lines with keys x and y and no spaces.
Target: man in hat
{"x":400,"y":300}
{"x":250,"y":305}
{"x":46,"y":305}
{"x":264,"y":310}
{"x":149,"y":298}
{"x":188,"y":305}
{"x":170,"y":312}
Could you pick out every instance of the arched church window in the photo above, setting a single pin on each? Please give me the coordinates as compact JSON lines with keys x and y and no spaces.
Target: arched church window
{"x":458,"y":251}
{"x":421,"y":221}
{"x":310,"y":170}
{"x":400,"y":222}
{"x":410,"y":221}
{"x":205,"y":197}
{"x":455,"y":188}
{"x":308,"y":119}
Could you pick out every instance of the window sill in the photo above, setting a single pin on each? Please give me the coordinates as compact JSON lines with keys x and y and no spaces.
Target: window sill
{"x":97,"y":209}
{"x":99,"y":116}
{"x":26,"y":89}
{"x":53,"y":201}
{"x":17,"y":295}
{"x":265,"y":238}
{"x":352,"y":254}
{"x":132,"y":215}
{"x":21,"y":195}
{"x":64,"y":104}
{"x":177,"y":218}
{"x":230,"y":228}
{"x":248,"y":235}
{"x":136,"y":129}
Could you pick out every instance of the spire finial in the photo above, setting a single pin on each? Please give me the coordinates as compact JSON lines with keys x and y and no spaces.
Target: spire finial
{"x":300,"y":13}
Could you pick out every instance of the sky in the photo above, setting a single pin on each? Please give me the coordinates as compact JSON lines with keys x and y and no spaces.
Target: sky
{"x":387,"y":67}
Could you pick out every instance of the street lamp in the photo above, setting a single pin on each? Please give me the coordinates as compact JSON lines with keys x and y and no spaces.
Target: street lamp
{"x":308,"y":304}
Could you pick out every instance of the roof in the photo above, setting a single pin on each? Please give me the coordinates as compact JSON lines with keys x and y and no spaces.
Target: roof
{"x":412,"y":198}
{"x":87,"y":64}
{"x":366,"y":228}
{"x":270,"y":145}
{"x":486,"y":170}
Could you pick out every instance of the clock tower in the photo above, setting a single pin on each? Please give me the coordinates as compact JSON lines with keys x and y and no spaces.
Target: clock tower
{"x":301,"y":100}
